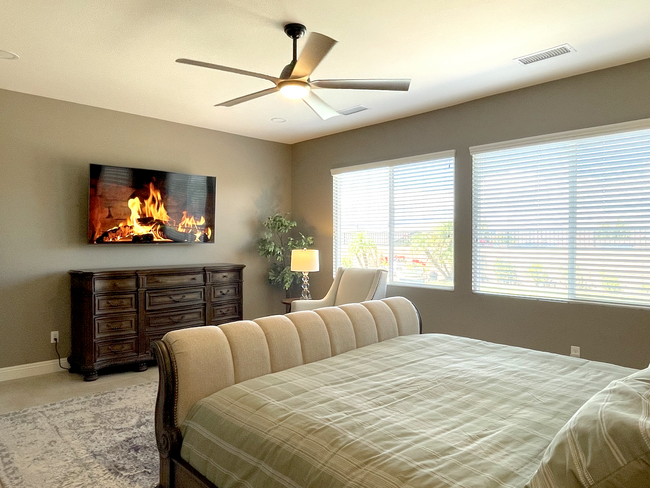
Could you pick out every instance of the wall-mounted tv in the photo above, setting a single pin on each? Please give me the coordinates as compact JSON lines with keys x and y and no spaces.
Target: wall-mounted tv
{"x":129,"y":205}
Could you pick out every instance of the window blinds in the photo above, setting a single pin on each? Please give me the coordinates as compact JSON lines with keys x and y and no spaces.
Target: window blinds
{"x":567,"y":219}
{"x":397,"y":215}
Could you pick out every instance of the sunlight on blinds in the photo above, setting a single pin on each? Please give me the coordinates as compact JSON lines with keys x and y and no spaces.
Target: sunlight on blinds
{"x":398,"y":217}
{"x":566,"y":220}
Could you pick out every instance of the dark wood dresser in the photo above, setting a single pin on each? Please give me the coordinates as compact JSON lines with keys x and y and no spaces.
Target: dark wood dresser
{"x":117,"y":313}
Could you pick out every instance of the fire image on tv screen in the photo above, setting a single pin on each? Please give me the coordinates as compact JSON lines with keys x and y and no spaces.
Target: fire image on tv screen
{"x":128,"y":205}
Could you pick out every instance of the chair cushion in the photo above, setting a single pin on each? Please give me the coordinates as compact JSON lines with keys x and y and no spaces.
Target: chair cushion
{"x":357,"y":285}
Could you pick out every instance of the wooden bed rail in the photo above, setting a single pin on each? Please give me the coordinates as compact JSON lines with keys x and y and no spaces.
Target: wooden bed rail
{"x":174,"y":472}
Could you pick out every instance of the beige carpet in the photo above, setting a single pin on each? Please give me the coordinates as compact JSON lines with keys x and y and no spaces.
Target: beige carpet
{"x":105,"y":440}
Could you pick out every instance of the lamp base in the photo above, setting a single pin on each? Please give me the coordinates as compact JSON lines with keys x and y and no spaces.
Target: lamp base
{"x":305,"y":287}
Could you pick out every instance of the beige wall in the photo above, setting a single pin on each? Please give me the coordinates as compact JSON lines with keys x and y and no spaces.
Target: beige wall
{"x":45,"y":149}
{"x":614,"y":334}
{"x":46,"y":146}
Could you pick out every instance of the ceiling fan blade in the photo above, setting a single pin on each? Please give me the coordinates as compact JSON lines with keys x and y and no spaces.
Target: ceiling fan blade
{"x":322,"y":109}
{"x":227,"y":68}
{"x":312,"y":54}
{"x":394,"y":85}
{"x":246,"y":98}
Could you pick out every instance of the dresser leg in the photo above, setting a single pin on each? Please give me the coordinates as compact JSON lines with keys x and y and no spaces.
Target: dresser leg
{"x":90,"y":375}
{"x":142,"y":367}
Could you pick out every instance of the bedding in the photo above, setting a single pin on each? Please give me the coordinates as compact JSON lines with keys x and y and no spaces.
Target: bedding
{"x":411,"y":411}
{"x":606,"y":444}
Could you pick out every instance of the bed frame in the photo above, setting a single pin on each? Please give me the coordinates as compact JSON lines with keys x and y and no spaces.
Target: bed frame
{"x":194,"y":363}
{"x":174,"y":471}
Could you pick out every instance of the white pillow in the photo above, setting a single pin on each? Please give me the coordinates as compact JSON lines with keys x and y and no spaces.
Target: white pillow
{"x":606,"y":444}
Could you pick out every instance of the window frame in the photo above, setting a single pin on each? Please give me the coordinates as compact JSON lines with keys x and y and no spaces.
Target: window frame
{"x":417,"y":159}
{"x":530,"y":142}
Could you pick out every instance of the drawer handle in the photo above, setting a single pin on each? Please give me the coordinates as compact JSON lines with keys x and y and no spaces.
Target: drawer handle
{"x":226,"y":292}
{"x":176,"y":319}
{"x":116,"y":327}
{"x":113,"y":303}
{"x":116,"y":349}
{"x":224,"y":276}
{"x":174,"y":299}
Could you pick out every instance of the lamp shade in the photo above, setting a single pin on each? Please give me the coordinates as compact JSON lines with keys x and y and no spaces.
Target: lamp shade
{"x":305,"y":260}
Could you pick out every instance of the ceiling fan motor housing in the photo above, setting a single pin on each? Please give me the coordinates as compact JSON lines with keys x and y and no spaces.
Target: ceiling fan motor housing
{"x":295,"y":31}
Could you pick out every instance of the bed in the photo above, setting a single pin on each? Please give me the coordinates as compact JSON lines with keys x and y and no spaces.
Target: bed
{"x":356,"y":396}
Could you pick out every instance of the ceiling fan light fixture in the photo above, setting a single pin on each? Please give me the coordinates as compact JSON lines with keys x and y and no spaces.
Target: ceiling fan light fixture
{"x":294,"y":80}
{"x":294,"y":89}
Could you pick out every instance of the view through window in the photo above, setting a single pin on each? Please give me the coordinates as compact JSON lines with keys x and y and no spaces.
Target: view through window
{"x":397,"y":215}
{"x":565,"y":218}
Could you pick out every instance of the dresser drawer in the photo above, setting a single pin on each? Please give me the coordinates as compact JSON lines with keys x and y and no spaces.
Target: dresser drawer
{"x":224,"y":276}
{"x":116,"y":349}
{"x":115,"y":303}
{"x":116,"y":325}
{"x":172,"y":298}
{"x":183,"y":318}
{"x":117,"y":313}
{"x":171,"y":280}
{"x":226,"y":292}
{"x":105,"y":285}
{"x":227,"y":312}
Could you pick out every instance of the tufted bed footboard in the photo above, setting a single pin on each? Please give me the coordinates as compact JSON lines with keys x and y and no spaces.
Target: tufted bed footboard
{"x":195,"y":363}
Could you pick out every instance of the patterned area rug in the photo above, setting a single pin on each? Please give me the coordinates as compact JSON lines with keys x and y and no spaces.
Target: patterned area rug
{"x":105,"y":440}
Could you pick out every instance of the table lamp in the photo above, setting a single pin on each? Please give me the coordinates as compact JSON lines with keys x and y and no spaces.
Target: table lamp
{"x":304,"y":261}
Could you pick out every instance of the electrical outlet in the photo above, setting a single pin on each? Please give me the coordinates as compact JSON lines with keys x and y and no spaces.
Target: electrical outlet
{"x":575,"y":351}
{"x":54,"y":336}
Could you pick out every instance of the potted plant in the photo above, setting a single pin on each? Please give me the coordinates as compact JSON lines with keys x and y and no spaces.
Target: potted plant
{"x":276,"y":246}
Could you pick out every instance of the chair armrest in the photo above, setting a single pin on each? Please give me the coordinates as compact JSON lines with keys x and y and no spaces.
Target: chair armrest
{"x":298,"y":305}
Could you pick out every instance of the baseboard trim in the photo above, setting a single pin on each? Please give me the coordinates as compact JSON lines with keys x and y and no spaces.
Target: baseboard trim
{"x":32,"y":369}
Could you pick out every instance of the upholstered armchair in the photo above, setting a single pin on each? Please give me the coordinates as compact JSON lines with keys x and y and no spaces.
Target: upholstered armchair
{"x":351,"y":285}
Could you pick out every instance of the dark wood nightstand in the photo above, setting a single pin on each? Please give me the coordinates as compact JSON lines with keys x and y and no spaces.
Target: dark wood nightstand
{"x":287,"y":304}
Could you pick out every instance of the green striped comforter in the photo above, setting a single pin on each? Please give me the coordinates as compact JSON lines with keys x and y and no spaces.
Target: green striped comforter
{"x":416,"y":411}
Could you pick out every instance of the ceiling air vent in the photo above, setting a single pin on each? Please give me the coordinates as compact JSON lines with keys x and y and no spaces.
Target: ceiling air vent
{"x":353,"y":110}
{"x":546,"y":54}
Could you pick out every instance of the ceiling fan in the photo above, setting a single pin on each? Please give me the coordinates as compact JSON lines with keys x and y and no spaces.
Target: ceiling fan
{"x":295,"y":82}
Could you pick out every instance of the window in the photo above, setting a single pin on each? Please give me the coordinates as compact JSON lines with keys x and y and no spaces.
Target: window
{"x":398,"y":215}
{"x":565,"y":217}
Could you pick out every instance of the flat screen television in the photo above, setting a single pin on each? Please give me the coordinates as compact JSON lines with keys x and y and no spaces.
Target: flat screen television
{"x":141,"y":206}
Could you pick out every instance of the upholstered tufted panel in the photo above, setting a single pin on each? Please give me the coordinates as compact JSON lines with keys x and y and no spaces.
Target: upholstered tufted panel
{"x":207,"y":359}
{"x":201,"y":358}
{"x":283,"y":342}
{"x":339,"y":329}
{"x":365,"y":328}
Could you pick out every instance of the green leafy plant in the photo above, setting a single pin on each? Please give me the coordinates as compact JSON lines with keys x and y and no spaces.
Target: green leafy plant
{"x":438,"y":246}
{"x":505,"y":272}
{"x":364,"y":252}
{"x":537,"y":273}
{"x":276,"y":246}
{"x":611,"y":283}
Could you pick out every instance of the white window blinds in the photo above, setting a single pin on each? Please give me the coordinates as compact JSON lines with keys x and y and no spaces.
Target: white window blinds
{"x":397,"y":215}
{"x":568,"y":219}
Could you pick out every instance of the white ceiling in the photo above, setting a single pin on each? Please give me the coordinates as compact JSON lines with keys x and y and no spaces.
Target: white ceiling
{"x":119,"y":54}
